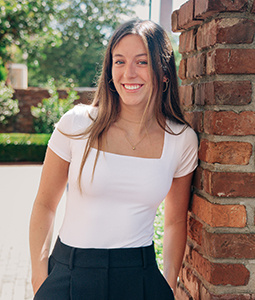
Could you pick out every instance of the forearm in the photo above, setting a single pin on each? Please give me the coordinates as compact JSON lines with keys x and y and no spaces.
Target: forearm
{"x":40,"y":234}
{"x":52,"y":185}
{"x":175,"y":237}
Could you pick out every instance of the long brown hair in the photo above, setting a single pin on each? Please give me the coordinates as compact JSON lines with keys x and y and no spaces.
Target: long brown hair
{"x":162,"y":66}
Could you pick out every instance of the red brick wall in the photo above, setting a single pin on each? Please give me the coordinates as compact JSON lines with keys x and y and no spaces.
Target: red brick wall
{"x":218,"y":95}
{"x":23,"y":122}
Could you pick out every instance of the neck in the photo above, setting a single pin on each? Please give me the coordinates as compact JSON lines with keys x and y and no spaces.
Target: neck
{"x":134,"y":126}
{"x":136,"y":122}
{"x":136,"y":116}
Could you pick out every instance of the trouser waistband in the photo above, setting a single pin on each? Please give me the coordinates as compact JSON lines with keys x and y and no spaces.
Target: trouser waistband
{"x":103,"y":258}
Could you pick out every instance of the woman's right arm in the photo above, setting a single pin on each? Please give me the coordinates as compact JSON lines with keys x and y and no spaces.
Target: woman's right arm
{"x":52,"y":185}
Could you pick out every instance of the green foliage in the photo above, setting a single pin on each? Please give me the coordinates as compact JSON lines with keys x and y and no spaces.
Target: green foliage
{"x":48,"y":113}
{"x":26,"y":22}
{"x":15,"y":147}
{"x":85,"y":28}
{"x":158,"y":235}
{"x":8,"y":106}
{"x":3,"y":71}
{"x":59,"y":38}
{"x":177,"y":55}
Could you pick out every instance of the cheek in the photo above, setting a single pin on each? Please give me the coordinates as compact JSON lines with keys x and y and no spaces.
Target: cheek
{"x":146,"y":76}
{"x":115,"y":75}
{"x":116,"y":79}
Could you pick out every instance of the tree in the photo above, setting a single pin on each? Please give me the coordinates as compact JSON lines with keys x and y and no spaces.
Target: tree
{"x":24,"y":23}
{"x":85,"y":28}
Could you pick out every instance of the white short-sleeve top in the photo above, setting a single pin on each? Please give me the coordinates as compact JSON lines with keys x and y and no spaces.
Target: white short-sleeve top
{"x":117,"y":209}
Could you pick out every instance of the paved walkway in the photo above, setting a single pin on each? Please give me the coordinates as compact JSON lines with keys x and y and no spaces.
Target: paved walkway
{"x":18,"y":188}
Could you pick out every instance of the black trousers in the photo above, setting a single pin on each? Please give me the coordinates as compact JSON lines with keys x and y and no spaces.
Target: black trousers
{"x":103,"y":274}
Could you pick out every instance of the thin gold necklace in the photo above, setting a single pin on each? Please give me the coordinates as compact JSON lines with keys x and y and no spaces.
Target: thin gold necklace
{"x":134,"y":146}
{"x":126,"y":136}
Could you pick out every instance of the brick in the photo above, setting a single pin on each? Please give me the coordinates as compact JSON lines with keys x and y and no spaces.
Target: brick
{"x":195,"y":119}
{"x":204,"y":93}
{"x":181,"y":294}
{"x":174,"y":21}
{"x":195,"y":230}
{"x":231,"y":61}
{"x":182,"y":69}
{"x":231,"y":153}
{"x":196,"y":66}
{"x":217,"y":273}
{"x":185,"y":15}
{"x":225,"y":31}
{"x":197,"y":179}
{"x":206,"y":295}
{"x":235,"y":31}
{"x":206,"y":35}
{"x":217,"y":215}
{"x":228,"y":245}
{"x":232,"y":92}
{"x":253,"y":8}
{"x":187,"y":41}
{"x":223,"y":93}
{"x":229,"y":184}
{"x":192,"y":283}
{"x":229,"y":123}
{"x":186,"y":95}
{"x":234,"y":6}
{"x":206,"y":8}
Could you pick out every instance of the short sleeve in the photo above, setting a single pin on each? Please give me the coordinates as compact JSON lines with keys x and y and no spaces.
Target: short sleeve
{"x":59,"y":142}
{"x":189,"y":154}
{"x":74,"y":122}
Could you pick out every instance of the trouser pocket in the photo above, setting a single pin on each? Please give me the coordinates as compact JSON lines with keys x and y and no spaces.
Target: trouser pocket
{"x":155,"y":284}
{"x":57,"y":285}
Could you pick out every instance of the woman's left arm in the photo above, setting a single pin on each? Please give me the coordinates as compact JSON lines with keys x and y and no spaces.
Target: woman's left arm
{"x":175,"y":228}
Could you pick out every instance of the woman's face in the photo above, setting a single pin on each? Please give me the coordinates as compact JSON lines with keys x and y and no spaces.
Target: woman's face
{"x":131,"y":72}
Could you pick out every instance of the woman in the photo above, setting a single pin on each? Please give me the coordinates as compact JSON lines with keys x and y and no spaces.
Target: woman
{"x":121,"y":156}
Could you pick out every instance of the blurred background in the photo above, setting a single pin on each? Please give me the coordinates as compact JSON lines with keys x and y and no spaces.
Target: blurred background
{"x":65,"y":40}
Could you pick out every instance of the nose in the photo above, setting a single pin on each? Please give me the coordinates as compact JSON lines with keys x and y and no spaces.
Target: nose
{"x":130,"y":70}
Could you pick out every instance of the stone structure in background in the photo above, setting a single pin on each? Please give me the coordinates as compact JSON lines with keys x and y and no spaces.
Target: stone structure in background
{"x":23,"y":122}
{"x":17,"y":76}
{"x":218,"y":95}
{"x":166,"y":9}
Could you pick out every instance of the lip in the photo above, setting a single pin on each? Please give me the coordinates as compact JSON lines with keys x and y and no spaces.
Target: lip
{"x":132,"y":86}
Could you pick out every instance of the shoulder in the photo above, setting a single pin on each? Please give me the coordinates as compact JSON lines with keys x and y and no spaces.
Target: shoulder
{"x":81,"y":111}
{"x":77,"y":119}
{"x":183,"y":133}
{"x":185,"y":143}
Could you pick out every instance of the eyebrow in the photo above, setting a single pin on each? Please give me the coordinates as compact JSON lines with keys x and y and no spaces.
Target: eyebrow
{"x":138,"y":55}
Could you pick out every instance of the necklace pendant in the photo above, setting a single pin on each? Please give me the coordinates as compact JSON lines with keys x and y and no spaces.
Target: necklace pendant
{"x":133,"y":148}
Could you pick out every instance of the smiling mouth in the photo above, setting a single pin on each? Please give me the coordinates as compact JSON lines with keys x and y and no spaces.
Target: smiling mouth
{"x":132,"y":86}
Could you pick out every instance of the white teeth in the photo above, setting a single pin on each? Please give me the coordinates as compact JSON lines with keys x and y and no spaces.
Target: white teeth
{"x":132,"y":87}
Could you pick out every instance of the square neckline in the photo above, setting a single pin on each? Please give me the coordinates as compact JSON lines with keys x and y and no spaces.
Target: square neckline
{"x":136,"y":157}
